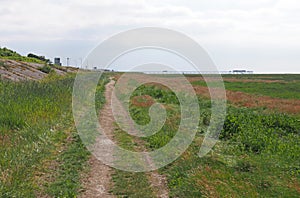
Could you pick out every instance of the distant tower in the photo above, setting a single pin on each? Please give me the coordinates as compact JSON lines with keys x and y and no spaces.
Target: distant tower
{"x":57,"y":61}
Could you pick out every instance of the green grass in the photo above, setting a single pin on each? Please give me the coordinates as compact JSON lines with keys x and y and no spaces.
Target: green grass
{"x":40,"y":150}
{"x":285,"y":90}
{"x":283,"y":77}
{"x":288,"y":90}
{"x":253,"y":162}
{"x":30,"y":111}
{"x":257,"y":155}
{"x":128,"y":184}
{"x":2,"y":64}
{"x":12,"y":55}
{"x":72,"y":162}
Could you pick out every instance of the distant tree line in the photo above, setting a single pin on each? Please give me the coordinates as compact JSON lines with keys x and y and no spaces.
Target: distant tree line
{"x":42,"y":58}
{"x":6,"y":53}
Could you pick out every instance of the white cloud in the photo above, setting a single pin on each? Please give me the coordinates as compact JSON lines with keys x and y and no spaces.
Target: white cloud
{"x":235,"y":23}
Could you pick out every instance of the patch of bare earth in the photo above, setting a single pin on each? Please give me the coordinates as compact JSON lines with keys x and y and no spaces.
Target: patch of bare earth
{"x":98,"y":181}
{"x":159,"y":184}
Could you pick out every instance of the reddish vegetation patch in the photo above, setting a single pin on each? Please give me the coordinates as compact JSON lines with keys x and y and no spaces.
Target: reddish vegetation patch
{"x":208,"y":187}
{"x":117,"y":76}
{"x":143,"y":101}
{"x":4,"y":140}
{"x":236,"y":98}
{"x":195,"y":79}
{"x":247,"y":100}
{"x":203,"y":91}
{"x":296,"y":186}
{"x":252,"y":80}
{"x":158,"y":85}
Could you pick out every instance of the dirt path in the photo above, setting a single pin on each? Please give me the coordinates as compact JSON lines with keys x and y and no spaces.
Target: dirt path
{"x":158,"y":184}
{"x":157,"y":181}
{"x":98,"y":182}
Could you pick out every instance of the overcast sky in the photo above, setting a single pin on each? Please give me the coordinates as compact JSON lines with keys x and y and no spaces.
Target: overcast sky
{"x":259,"y":35}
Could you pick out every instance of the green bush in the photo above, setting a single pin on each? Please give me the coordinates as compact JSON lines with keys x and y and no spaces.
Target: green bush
{"x":12,"y":55}
{"x":46,"y":69}
{"x":2,"y":64}
{"x":41,"y":58}
{"x":257,"y":132}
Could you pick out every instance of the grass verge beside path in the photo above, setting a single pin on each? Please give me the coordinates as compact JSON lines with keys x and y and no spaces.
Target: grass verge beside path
{"x":40,"y":151}
{"x":73,"y":159}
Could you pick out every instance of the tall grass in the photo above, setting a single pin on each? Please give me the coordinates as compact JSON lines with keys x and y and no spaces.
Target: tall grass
{"x":40,"y":151}
{"x":31,"y":112}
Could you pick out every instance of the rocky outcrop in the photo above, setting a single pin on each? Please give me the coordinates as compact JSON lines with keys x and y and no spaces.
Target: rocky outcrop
{"x":19,"y":71}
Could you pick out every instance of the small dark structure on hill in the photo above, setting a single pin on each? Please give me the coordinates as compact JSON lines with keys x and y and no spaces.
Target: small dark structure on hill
{"x":57,"y":61}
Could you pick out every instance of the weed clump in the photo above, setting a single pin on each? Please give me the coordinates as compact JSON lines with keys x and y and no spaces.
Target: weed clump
{"x":46,"y":69}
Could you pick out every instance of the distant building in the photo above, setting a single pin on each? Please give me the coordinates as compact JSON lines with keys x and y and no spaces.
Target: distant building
{"x":57,"y":61}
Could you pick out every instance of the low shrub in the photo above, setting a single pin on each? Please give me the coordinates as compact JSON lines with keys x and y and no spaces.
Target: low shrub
{"x":46,"y":69}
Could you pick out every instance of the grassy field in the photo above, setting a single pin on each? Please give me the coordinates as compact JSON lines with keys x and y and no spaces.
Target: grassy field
{"x":276,"y":86}
{"x":40,"y":153}
{"x":284,"y":77}
{"x":284,"y":90}
{"x":257,"y":155}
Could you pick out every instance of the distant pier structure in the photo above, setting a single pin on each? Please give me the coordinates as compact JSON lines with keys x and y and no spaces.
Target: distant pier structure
{"x":185,"y":72}
{"x":242,"y":72}
{"x":200,"y":72}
